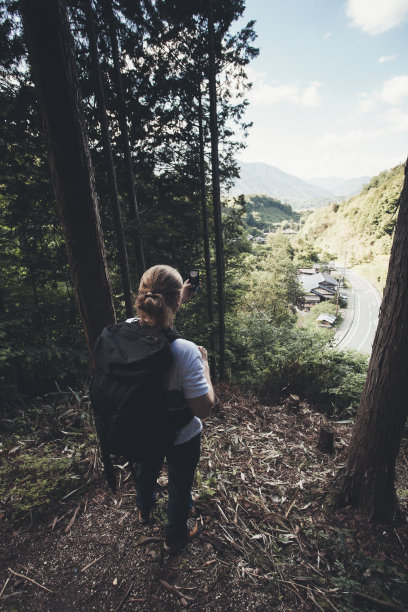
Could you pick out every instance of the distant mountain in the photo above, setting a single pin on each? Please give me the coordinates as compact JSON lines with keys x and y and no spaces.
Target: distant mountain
{"x":300,"y":194}
{"x":265,"y":179}
{"x":340,"y":186}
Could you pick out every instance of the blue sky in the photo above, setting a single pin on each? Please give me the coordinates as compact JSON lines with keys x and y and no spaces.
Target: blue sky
{"x":330,"y":86}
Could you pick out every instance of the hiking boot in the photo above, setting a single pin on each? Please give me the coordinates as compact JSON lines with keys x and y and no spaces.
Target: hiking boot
{"x":145,"y":517}
{"x":192,"y":530}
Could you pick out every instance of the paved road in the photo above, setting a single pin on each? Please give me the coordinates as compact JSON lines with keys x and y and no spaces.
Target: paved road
{"x":357,"y":330}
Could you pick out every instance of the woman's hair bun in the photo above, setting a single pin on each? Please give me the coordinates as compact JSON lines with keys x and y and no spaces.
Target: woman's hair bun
{"x":159,"y":293}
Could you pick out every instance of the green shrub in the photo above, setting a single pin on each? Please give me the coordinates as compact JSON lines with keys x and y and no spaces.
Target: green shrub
{"x":34,"y":479}
{"x":274,"y":361}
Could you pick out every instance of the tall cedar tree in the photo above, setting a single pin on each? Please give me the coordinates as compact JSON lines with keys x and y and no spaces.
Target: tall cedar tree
{"x":50,"y":47}
{"x":216,"y":193}
{"x":368,"y":481}
{"x":122,"y":118}
{"x":107,"y":149}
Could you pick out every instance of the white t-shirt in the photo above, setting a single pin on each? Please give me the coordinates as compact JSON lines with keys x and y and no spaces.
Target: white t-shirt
{"x":187,"y":375}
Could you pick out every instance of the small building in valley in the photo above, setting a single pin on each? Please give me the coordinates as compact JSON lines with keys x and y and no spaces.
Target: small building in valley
{"x":308,"y":271}
{"x":321,"y":285}
{"x":310,"y":300}
{"x":326,"y":320}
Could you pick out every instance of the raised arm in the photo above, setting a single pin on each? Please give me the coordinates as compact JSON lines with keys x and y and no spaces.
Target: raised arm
{"x":201,"y":406}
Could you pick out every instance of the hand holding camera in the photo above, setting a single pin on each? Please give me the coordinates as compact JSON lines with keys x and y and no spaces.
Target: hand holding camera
{"x":194,"y":280}
{"x":191,"y":286}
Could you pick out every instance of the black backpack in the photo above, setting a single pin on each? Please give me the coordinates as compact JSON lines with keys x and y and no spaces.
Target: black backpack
{"x":128,"y":397}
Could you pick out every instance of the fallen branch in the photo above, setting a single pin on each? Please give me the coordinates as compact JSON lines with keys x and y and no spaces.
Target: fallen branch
{"x":292,"y":503}
{"x":4,"y":586}
{"x":57,"y":520}
{"x":72,"y":521}
{"x":29,"y":580}
{"x":176,"y":591}
{"x":92,"y":563}
{"x":78,"y":489}
{"x":124,"y":598}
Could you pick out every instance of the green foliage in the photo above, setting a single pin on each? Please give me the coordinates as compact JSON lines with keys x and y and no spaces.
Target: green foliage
{"x":309,"y":320}
{"x":35,"y":353}
{"x":266,"y":213}
{"x":32,"y":481}
{"x":274,"y":361}
{"x":353,"y":570}
{"x":306,"y":254}
{"x":272,"y":286}
{"x":43,"y":453}
{"x":207,"y":487}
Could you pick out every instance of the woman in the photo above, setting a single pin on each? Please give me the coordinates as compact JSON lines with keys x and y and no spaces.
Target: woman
{"x":189,"y":393}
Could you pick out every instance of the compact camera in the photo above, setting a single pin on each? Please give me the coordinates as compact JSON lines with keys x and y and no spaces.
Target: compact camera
{"x":194,"y":279}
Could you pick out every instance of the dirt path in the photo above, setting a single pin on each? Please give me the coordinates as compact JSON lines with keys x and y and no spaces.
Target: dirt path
{"x":266,"y":541}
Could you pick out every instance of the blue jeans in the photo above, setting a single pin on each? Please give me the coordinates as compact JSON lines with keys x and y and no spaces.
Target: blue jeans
{"x":181,"y":462}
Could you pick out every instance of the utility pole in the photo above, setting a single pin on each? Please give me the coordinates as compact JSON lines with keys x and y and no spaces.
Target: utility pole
{"x":337,"y":298}
{"x":344,"y":268}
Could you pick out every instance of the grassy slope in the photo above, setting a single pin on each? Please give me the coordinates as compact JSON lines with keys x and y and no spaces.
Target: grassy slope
{"x":266,"y":211}
{"x":360,"y":230}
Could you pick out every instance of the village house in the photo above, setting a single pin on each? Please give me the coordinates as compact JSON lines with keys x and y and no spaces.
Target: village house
{"x":318,"y":287}
{"x":310,"y":300}
{"x":326,"y":320}
{"x":308,"y":271}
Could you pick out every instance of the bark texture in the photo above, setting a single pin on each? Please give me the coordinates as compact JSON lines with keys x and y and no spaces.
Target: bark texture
{"x":50,"y":46}
{"x":204,"y":212}
{"x":368,"y":481}
{"x":216,"y":194}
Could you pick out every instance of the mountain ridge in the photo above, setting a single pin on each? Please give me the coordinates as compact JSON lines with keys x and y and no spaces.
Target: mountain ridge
{"x":262,"y":178}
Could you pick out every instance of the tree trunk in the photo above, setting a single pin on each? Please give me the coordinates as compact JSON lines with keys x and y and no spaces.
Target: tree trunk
{"x":368,"y":480}
{"x":134,"y":209}
{"x":203,"y":198}
{"x":219,"y":249}
{"x":50,"y":50}
{"x":107,"y":149}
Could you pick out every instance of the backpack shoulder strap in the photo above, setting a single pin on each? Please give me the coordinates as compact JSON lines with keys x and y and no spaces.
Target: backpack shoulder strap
{"x":171,"y":334}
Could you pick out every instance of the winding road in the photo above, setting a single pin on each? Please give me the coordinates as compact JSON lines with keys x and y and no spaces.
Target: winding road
{"x":358,"y":327}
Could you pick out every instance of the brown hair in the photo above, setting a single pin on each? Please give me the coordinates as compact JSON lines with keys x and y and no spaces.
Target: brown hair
{"x":159,"y":294}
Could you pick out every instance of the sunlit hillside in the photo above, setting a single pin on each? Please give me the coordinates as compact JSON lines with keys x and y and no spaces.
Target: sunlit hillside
{"x":360,"y":230}
{"x":265,"y":213}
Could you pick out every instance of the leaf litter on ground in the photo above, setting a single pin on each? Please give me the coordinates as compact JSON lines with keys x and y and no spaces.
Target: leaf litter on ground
{"x":268,"y":537}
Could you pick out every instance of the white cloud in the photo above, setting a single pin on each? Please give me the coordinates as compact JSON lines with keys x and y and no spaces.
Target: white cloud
{"x":366,"y":102}
{"x":395,"y":90}
{"x":310,"y":97}
{"x":327,"y":35}
{"x":397,"y":120}
{"x":377,"y":16}
{"x":333,"y":138}
{"x":387,"y":58}
{"x":263,"y":94}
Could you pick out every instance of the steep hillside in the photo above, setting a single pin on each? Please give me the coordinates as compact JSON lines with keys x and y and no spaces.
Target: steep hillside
{"x":264,"y":211}
{"x":360,"y":230}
